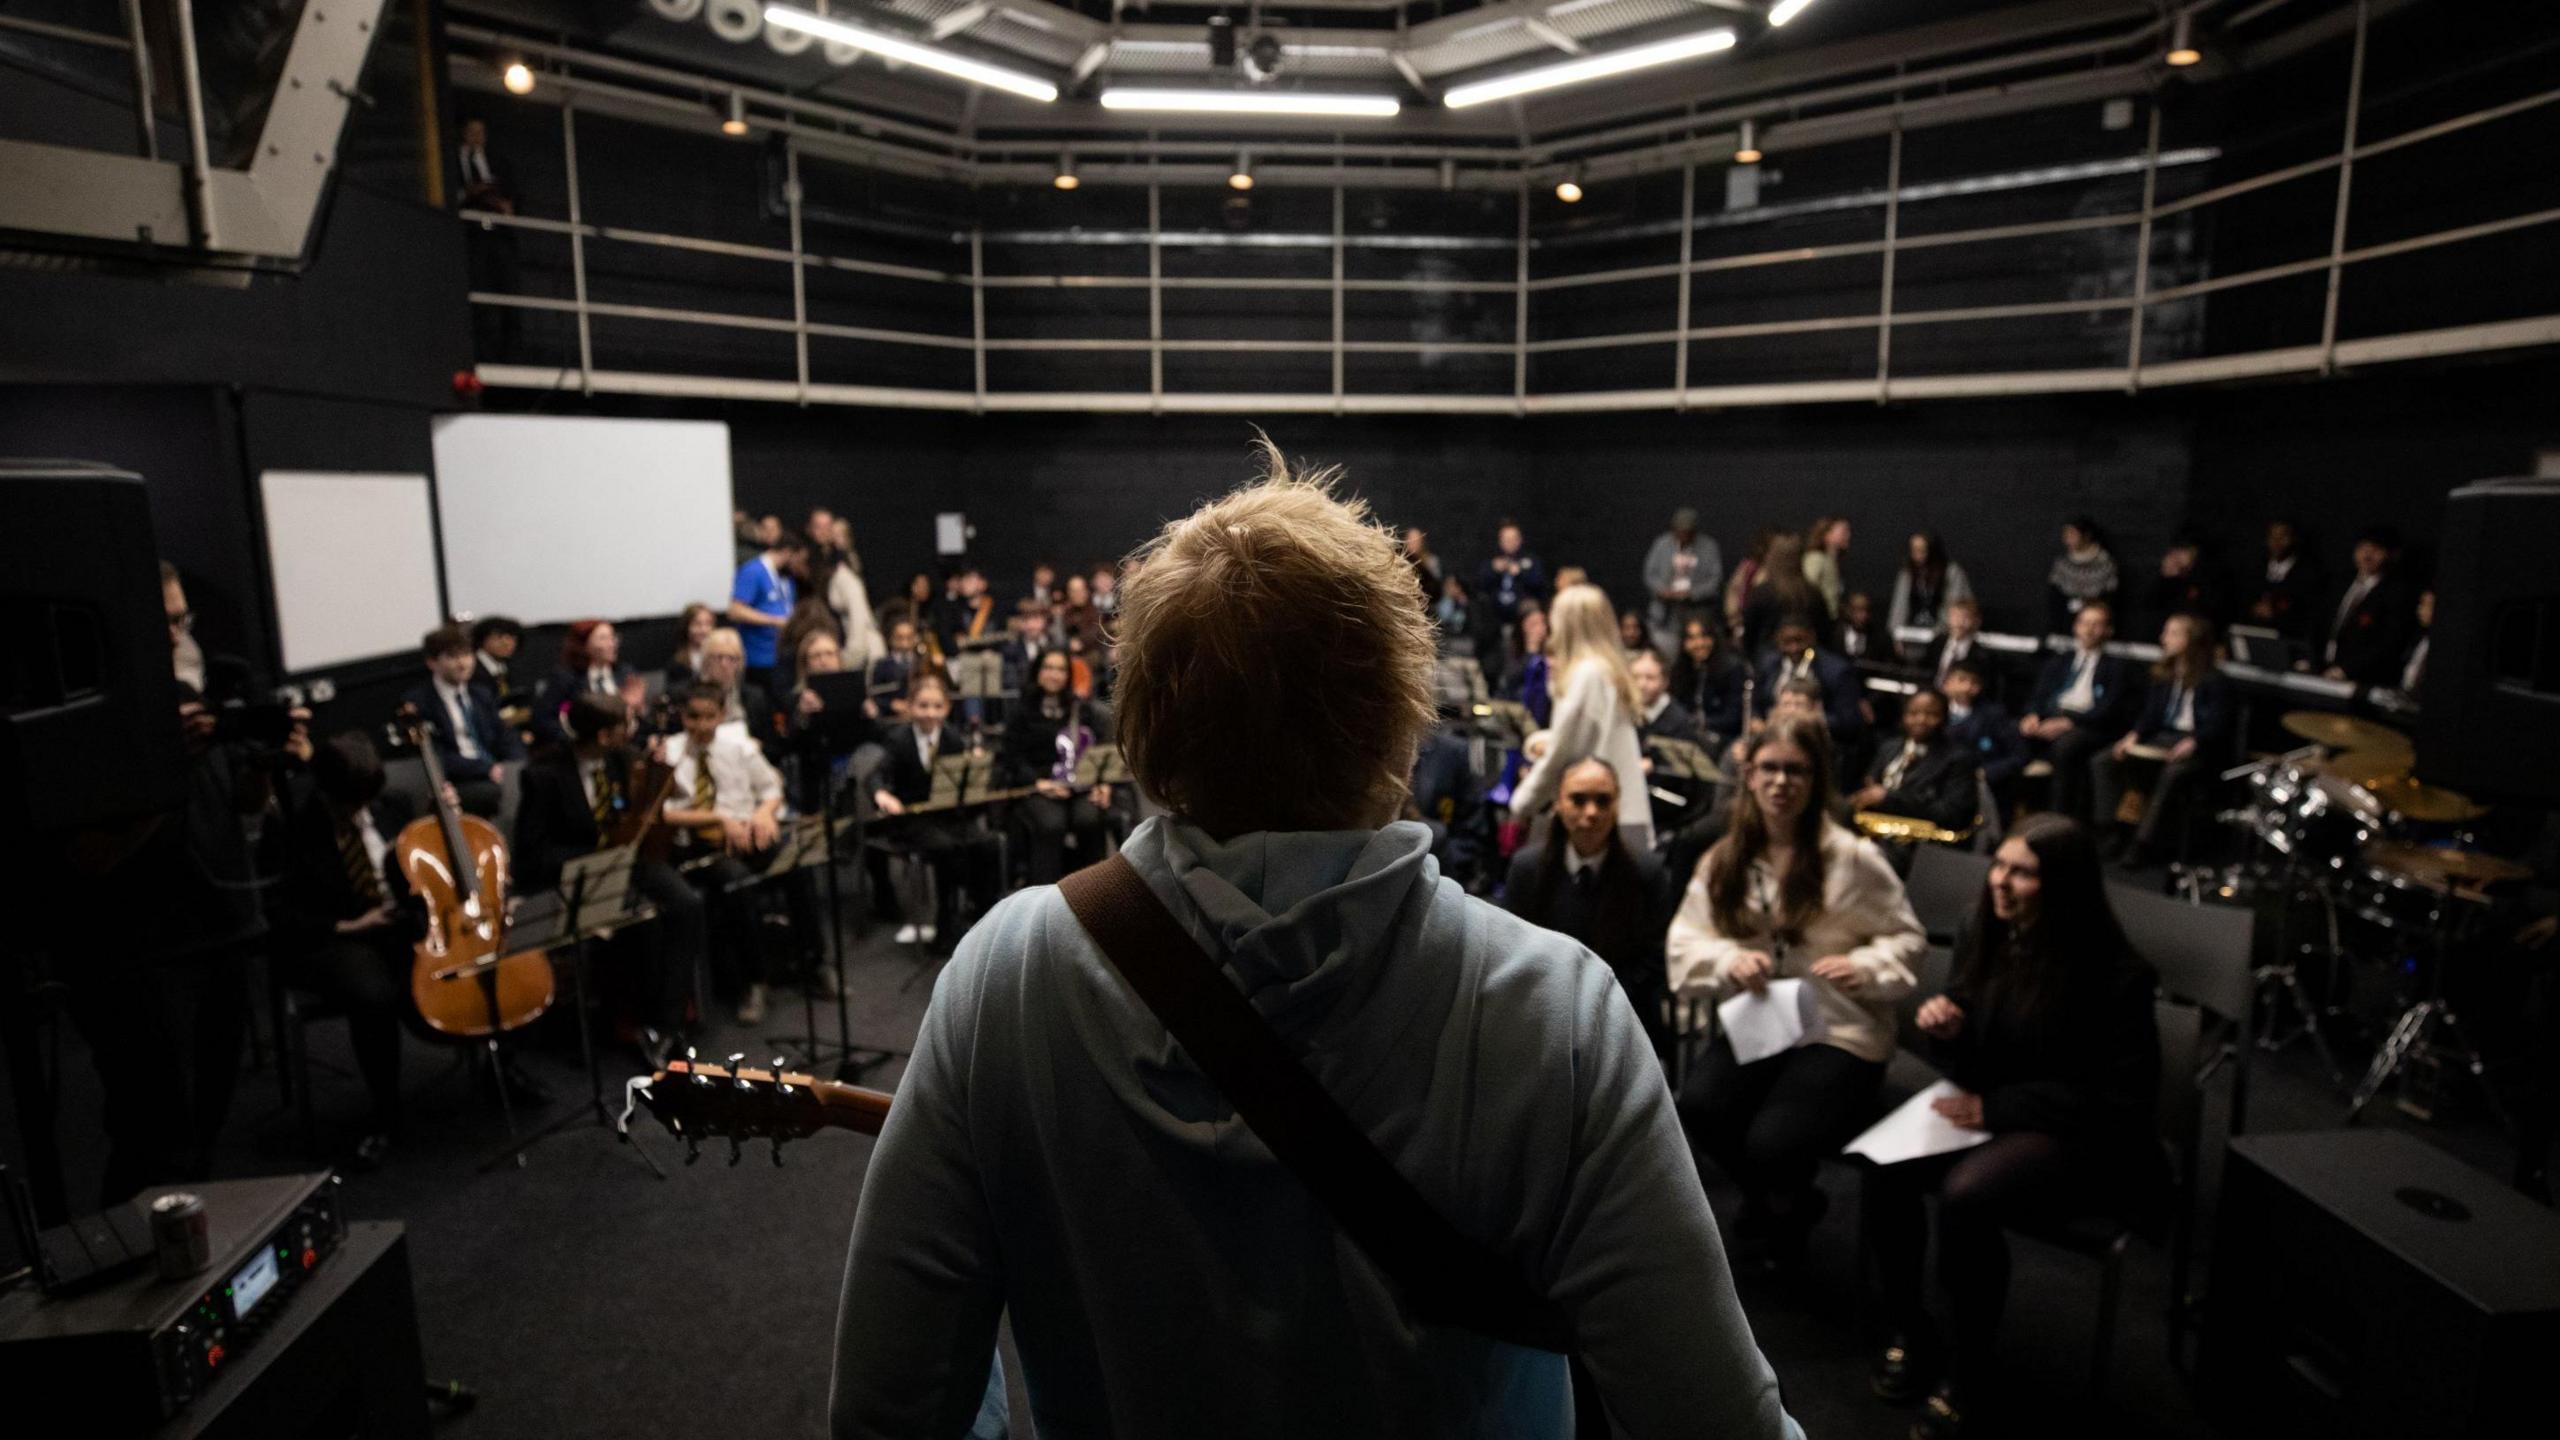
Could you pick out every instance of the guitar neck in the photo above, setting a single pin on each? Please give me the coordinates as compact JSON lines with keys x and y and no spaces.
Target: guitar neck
{"x":851,"y":1107}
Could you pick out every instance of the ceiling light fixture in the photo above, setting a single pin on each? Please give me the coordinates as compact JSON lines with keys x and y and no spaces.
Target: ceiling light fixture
{"x":1569,"y":189}
{"x":958,"y":67}
{"x":1590,"y":67}
{"x":1746,"y":151}
{"x":516,"y":75}
{"x":735,"y":122}
{"x":1066,"y":176}
{"x":1252,"y":102}
{"x":1786,"y":10}
{"x":2182,"y":43}
{"x":1242,"y":177}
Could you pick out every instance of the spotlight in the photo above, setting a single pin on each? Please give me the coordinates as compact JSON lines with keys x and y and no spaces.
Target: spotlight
{"x":1262,"y":56}
{"x":1242,"y":179}
{"x":1786,"y":10}
{"x":735,"y":122}
{"x":1066,"y":176}
{"x":1569,"y":189}
{"x":516,"y":75}
{"x":2182,"y":43}
{"x":1747,"y":150}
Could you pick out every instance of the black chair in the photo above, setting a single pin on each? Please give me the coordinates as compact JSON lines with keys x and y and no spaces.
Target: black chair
{"x":1943,"y":885}
{"x":2204,"y":955}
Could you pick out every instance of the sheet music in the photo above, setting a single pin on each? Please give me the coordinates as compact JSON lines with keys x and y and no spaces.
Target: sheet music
{"x":1784,"y":1015}
{"x":1915,"y":1131}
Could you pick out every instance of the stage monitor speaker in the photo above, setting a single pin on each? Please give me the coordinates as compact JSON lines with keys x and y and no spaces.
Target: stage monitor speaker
{"x":2489,"y":719}
{"x":2366,"y":1284}
{"x":88,"y":729}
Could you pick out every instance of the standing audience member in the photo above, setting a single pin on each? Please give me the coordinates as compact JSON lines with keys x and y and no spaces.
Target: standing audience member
{"x":1824,"y":544}
{"x":2083,"y":573}
{"x":2083,"y":699}
{"x":2193,"y":714}
{"x":2048,"y":1031}
{"x":1684,"y":575}
{"x":1045,"y":735}
{"x":1780,"y":594}
{"x":851,"y":603}
{"x":1789,"y":894}
{"x":2365,"y":634}
{"x":1512,"y":576}
{"x":1580,"y":880}
{"x":2286,"y":597}
{"x":1708,"y":680}
{"x":1925,"y":586}
{"x":1595,"y":714}
{"x":1737,"y":591}
{"x":1926,"y":776}
{"x":475,"y":746}
{"x":761,"y":600}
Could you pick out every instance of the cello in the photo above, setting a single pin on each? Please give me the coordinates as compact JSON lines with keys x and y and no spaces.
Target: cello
{"x":461,"y":979}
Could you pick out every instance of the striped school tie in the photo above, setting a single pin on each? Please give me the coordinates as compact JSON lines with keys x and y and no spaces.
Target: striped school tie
{"x":361,"y":874}
{"x":602,"y":804}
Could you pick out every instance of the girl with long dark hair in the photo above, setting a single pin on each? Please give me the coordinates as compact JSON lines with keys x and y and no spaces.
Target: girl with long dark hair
{"x":1927,"y":583}
{"x":2049,"y":1035}
{"x":1046,"y":734}
{"x":1789,"y":893}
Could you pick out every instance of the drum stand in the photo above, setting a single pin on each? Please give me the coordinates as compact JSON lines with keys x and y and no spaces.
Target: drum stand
{"x":2415,"y":1036}
{"x":2280,"y":983}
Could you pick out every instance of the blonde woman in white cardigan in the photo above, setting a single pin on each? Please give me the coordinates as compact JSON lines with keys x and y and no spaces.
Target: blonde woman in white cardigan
{"x":1790,"y":894}
{"x":1594,"y":717}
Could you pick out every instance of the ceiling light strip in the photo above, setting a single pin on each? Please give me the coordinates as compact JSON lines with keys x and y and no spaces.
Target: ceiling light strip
{"x":1591,"y":67}
{"x":927,"y":57}
{"x":1251,"y":102}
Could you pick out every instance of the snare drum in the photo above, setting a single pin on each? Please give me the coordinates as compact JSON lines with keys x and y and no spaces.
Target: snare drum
{"x":2319,"y":820}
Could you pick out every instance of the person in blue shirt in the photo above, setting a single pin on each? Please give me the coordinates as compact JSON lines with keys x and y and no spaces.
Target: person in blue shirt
{"x":760,"y":601}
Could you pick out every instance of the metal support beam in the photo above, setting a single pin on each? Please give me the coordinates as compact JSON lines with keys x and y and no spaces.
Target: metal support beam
{"x":2346,"y":184}
{"x":141,"y":48}
{"x":978,"y":311}
{"x":799,"y":267}
{"x":1337,"y":300}
{"x":1688,"y":248}
{"x":1520,"y":310}
{"x":1155,"y":298}
{"x":1892,"y":236}
{"x":577,"y":246}
{"x":199,"y":173}
{"x":2142,"y":253}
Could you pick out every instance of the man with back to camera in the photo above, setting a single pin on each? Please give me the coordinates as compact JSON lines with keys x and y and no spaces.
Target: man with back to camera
{"x":1054,"y":1155}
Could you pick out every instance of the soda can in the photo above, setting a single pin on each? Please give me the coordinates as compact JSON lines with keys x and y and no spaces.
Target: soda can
{"x":181,"y":1235}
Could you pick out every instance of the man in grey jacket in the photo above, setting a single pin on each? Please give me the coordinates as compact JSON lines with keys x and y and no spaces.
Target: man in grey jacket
{"x":1054,"y":1154}
{"x":1684,"y":576}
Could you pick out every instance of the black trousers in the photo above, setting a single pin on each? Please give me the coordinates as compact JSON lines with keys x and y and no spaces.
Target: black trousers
{"x":1769,"y":1123}
{"x":165,"y":1039}
{"x":961,"y":855}
{"x":2173,"y":791}
{"x":2012,"y":1179}
{"x":366,"y":975}
{"x":671,"y":953}
{"x":1046,"y":823}
{"x":2071,"y":756}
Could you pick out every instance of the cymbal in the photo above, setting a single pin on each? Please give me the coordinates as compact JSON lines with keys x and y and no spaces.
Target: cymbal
{"x":2364,"y":767}
{"x":2403,"y":795}
{"x":2342,"y":732}
{"x":2443,"y":865}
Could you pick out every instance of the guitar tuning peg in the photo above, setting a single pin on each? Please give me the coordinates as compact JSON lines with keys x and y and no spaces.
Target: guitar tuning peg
{"x":781,"y":1063}
{"x":737,"y":1152}
{"x":690,"y":1053}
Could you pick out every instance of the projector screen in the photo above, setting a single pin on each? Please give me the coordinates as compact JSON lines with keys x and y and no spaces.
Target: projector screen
{"x":353,"y":558}
{"x":554,"y":518}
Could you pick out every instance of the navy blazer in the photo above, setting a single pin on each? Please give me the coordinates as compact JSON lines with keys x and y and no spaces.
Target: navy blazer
{"x":2217,"y":713}
{"x":555,"y":695}
{"x":1450,"y":799}
{"x":2374,"y":637}
{"x":498,"y":741}
{"x":1841,"y":690}
{"x":1988,"y":731}
{"x":1937,"y":788}
{"x":2118,"y":688}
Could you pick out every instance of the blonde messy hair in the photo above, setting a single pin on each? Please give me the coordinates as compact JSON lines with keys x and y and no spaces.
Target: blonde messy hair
{"x":1275,"y":670}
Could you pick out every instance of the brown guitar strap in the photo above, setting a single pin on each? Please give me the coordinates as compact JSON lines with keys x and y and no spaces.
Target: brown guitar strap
{"x":1446,"y":1277}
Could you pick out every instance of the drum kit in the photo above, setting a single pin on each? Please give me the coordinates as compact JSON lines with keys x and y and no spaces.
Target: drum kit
{"x":2342,"y":825}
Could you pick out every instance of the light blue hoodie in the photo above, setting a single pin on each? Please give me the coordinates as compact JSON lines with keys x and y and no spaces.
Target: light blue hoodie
{"x":1053,"y":1152}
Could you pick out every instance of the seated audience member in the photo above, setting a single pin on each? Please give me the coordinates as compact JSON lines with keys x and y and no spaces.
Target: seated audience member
{"x":590,"y":664}
{"x":1045,"y":736}
{"x":1780,"y":594}
{"x":576,"y":795}
{"x":1706,"y":678}
{"x":2083,"y":700}
{"x":1426,"y":565}
{"x":821,"y":745}
{"x":1580,"y":880}
{"x":1079,"y":620}
{"x":2082,"y":574}
{"x":810,"y":616}
{"x":1455,"y":615}
{"x":1595,"y":714}
{"x":1790,"y":894}
{"x":474,"y":745}
{"x":1447,"y":796}
{"x":1475,"y":1050}
{"x":961,"y":854}
{"x":726,"y":804}
{"x":2413,"y":664}
{"x":2286,"y":595}
{"x":1658,"y":714}
{"x":2186,"y":585}
{"x":745,"y":704}
{"x":893,"y":673}
{"x":1044,"y":586}
{"x":342,"y":925}
{"x":494,"y":641}
{"x":1982,"y":725}
{"x":1925,"y":586}
{"x":1795,"y":656}
{"x":761,"y":600}
{"x":2193,"y":713}
{"x":2048,"y":1030}
{"x":1956,"y":642}
{"x":1925,"y":776}
{"x":1525,"y":670}
{"x":1862,"y":635}
{"x":1026,"y":641}
{"x":1799,"y":697}
{"x":695,"y":629}
{"x":1746,"y":574}
{"x":1631,"y":633}
{"x":2365,"y":633}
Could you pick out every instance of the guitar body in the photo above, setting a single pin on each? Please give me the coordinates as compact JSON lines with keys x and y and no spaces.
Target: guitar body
{"x":465,"y":929}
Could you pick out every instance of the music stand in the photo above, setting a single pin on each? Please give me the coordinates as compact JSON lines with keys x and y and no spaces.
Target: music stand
{"x":1101,"y":765}
{"x":1683,"y":760}
{"x":596,"y":899}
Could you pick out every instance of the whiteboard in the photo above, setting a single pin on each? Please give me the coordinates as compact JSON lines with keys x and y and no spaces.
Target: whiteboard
{"x":353,"y":558}
{"x":550,"y":518}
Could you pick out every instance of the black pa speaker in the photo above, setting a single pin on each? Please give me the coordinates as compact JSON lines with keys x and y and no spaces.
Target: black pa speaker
{"x":88,"y":705}
{"x":2366,"y":1284}
{"x":2489,"y":722}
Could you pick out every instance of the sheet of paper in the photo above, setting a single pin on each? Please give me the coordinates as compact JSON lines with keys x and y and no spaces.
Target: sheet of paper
{"x":1915,"y":1131}
{"x":1784,"y":1015}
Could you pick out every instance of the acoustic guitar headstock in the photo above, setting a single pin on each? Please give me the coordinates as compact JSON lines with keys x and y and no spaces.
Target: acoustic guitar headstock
{"x":697,"y":1101}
